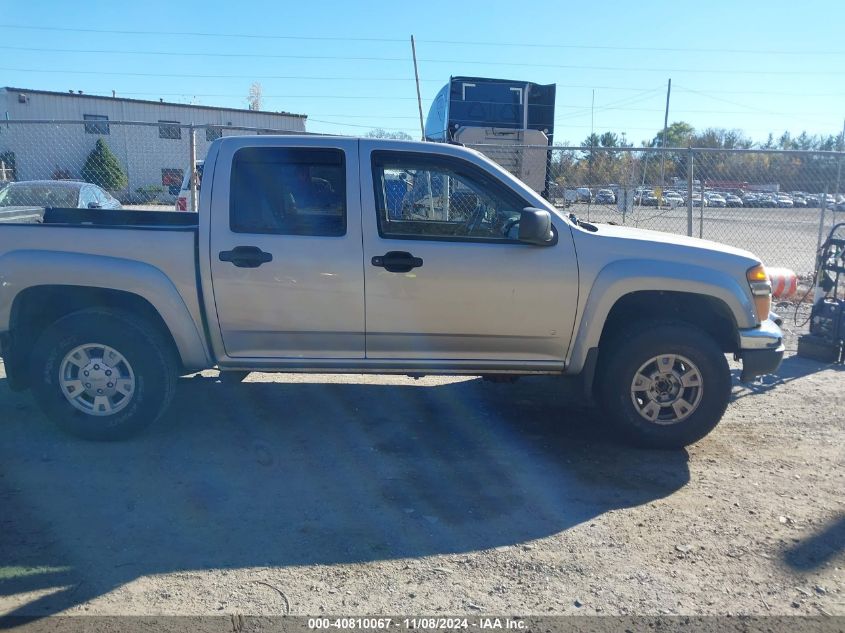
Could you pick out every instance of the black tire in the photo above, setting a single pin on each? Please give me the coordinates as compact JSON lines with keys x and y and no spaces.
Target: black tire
{"x":622,"y":358}
{"x":148,"y":352}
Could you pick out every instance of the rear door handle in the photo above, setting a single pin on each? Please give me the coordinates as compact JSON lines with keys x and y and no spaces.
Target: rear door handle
{"x":397,"y":262}
{"x":246,"y":256}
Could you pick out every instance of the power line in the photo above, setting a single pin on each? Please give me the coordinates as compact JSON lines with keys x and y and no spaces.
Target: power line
{"x":358,"y":96}
{"x":202,"y":34}
{"x":704,"y":92}
{"x":736,"y":103}
{"x":533,"y":44}
{"x":533,"y":64}
{"x":183,"y":75}
{"x":108,"y":51}
{"x":635,"y":48}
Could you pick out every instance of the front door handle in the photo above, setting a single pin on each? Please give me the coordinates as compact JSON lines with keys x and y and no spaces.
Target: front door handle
{"x":397,"y":262}
{"x":246,"y":256}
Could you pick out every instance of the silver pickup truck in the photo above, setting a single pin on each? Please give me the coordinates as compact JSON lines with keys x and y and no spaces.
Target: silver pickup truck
{"x":327,"y":255}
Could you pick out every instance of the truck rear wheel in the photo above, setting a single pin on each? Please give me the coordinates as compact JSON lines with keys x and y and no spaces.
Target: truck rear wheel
{"x":103,"y":374}
{"x":664,"y":385}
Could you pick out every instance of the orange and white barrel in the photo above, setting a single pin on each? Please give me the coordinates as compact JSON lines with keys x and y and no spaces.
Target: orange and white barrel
{"x":784,"y":282}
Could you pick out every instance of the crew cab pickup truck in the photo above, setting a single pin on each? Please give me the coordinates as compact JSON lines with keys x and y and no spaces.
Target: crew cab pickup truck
{"x":326,"y":255}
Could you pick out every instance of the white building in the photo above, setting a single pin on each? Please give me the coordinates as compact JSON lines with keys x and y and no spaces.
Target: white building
{"x":154,"y":156}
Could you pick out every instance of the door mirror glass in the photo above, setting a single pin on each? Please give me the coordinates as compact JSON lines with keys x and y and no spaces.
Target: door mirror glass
{"x":535,"y":227}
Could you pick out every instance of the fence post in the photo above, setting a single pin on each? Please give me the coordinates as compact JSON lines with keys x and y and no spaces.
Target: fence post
{"x":690,"y":166}
{"x":192,"y":151}
{"x":821,"y":219}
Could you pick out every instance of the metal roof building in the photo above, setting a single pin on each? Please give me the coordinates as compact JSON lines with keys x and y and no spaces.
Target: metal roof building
{"x":46,"y":134}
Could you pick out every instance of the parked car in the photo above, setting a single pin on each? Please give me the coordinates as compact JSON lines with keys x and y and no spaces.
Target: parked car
{"x":584,"y":194}
{"x":673,"y":199}
{"x":733,"y":201}
{"x":650,"y":200}
{"x":605,"y":196}
{"x":798,"y":201}
{"x":785,"y":202}
{"x":812,"y":200}
{"x":183,"y":200}
{"x":715,"y":200}
{"x":697,"y":200}
{"x":73,"y":194}
{"x":643,"y":319}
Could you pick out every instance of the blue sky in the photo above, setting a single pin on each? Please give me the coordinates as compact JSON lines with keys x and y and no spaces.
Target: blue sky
{"x":759,"y":66}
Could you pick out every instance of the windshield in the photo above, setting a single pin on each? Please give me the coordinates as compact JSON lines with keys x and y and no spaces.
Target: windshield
{"x":38,"y":196}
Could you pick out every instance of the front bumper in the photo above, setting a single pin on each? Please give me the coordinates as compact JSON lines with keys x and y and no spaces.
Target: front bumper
{"x":760,"y":349}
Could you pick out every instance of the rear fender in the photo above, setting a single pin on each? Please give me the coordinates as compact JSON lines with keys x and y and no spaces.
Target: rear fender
{"x":20,"y":270}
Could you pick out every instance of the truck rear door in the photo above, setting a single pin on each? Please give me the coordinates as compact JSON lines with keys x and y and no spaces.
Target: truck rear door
{"x":285,"y":249}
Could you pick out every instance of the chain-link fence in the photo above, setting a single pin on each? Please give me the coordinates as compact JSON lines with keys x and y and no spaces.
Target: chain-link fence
{"x":773,"y":203}
{"x":140,"y":165}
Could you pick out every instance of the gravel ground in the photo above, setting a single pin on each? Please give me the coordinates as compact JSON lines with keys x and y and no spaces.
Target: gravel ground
{"x":357,"y":495}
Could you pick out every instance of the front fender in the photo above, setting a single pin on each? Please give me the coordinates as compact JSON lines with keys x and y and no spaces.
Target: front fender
{"x":20,"y":270}
{"x":626,"y":276}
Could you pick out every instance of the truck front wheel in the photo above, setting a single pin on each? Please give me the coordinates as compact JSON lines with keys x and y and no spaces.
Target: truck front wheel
{"x":664,"y":385}
{"x":103,"y":374}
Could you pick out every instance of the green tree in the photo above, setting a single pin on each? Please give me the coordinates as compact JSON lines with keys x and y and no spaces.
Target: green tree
{"x":677,"y":135}
{"x":591,"y":141}
{"x":609,"y":139}
{"x":397,"y":135}
{"x":103,"y":169}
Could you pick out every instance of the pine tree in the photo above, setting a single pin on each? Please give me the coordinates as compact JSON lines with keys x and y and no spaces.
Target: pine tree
{"x":103,"y":169}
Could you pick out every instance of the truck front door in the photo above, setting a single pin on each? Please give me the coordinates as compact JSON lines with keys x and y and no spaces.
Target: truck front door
{"x":445,"y":278}
{"x":285,"y":253}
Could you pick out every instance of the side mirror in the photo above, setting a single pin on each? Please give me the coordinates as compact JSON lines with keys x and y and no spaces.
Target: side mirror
{"x":535,"y":227}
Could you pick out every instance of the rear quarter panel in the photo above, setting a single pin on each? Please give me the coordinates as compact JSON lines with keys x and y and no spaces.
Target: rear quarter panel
{"x":157,"y":264}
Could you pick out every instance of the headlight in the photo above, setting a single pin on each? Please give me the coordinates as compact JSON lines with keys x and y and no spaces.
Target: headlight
{"x":761,"y":288}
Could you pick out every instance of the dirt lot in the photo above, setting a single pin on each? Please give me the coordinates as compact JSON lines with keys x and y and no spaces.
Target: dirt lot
{"x":355,"y":495}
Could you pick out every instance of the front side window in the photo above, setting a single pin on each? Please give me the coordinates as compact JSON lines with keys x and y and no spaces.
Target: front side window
{"x":288,"y":191}
{"x":427,"y":196}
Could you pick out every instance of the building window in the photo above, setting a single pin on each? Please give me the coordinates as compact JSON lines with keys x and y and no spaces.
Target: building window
{"x":169,"y":130}
{"x":213,"y":133}
{"x":96,"y":128}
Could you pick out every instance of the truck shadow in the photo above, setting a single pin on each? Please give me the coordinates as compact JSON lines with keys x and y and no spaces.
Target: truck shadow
{"x":304,"y":473}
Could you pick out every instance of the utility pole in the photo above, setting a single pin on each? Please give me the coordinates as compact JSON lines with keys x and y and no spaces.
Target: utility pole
{"x":592,"y":149}
{"x":839,"y":169}
{"x":665,"y":132}
{"x":417,"y":77}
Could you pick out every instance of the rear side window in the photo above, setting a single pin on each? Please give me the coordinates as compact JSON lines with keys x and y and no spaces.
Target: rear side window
{"x":288,"y":191}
